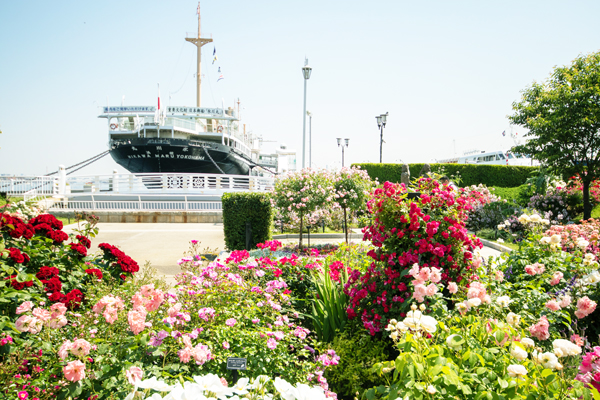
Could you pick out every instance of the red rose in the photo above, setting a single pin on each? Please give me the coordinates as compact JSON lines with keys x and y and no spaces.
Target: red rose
{"x":57,"y":297}
{"x":46,"y":273}
{"x":84,"y":241}
{"x":16,"y":255}
{"x":78,"y":248}
{"x":95,"y":272}
{"x":74,"y":299}
{"x":52,"y":285}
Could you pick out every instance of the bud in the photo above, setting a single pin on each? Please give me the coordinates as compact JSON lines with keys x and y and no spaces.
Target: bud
{"x":413,"y":307}
{"x":422,"y":307}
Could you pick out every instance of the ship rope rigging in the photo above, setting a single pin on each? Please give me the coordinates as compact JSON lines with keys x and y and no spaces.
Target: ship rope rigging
{"x":88,"y":161}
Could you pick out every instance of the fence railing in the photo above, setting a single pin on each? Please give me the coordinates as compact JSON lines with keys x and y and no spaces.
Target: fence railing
{"x":142,"y":203}
{"x":20,"y":185}
{"x":148,"y":183}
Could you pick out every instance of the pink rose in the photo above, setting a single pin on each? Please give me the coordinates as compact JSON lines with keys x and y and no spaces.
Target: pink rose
{"x":74,"y":371}
{"x":41,"y":314}
{"x":553,"y":305}
{"x":201,"y":354}
{"x":137,"y":321}
{"x":134,"y":375}
{"x":226,"y":345}
{"x":556,"y":278}
{"x":63,"y":352}
{"x":420,"y":293}
{"x":81,"y":347}
{"x":585,"y":307}
{"x":424,"y":274}
{"x":499,"y":276}
{"x":24,"y":307}
{"x":58,"y":310}
{"x":230,"y":322}
{"x":271,"y":343}
{"x":566,"y":301}
{"x":452,"y":287}
{"x":414,"y":271}
{"x":431,"y":289}
{"x":436,"y":275}
{"x":185,"y":354}
{"x":540,"y":330}
{"x":530,"y":269}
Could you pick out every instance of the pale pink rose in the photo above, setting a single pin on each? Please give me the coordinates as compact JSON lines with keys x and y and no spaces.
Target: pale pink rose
{"x":187,"y":342}
{"x":230,"y":322}
{"x":553,"y":305}
{"x":499,"y":276}
{"x":24,"y":307}
{"x":81,"y":347}
{"x":585,"y":307}
{"x":74,"y":371}
{"x":137,"y":321}
{"x":530,"y":269}
{"x":41,"y":314}
{"x":414,"y":271}
{"x":134,"y":375}
{"x":63,"y":352}
{"x":173,"y":311}
{"x":556,"y":278}
{"x":565,"y":301}
{"x":452,"y":287}
{"x":226,"y":345}
{"x":58,"y":310}
{"x":436,"y":275}
{"x":36,"y":325}
{"x":539,"y":268}
{"x":487,"y":299}
{"x":185,"y":354}
{"x":57,"y":323}
{"x":476,"y":289}
{"x":424,"y":274}
{"x":420,"y":293}
{"x":201,"y":354}
{"x":540,"y":330}
{"x":110,"y":314}
{"x":157,"y":299}
{"x":23,"y":322}
{"x":137,"y":300}
{"x":431,"y":289}
{"x":271,"y":343}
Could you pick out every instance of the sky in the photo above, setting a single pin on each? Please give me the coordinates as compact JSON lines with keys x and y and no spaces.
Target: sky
{"x":447,"y":72}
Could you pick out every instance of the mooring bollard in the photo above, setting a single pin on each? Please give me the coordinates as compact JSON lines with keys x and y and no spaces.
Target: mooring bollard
{"x":248,"y":235}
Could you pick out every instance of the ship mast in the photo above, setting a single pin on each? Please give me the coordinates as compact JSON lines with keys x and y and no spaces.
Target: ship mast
{"x":199,"y":42}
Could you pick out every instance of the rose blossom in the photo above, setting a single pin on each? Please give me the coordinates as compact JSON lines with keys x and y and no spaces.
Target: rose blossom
{"x":80,"y":347}
{"x":540,"y":330}
{"x":452,"y":287}
{"x":271,"y":343}
{"x":553,"y":305}
{"x":74,"y":371}
{"x":24,"y":307}
{"x":41,"y":314}
{"x":137,"y":321}
{"x":134,"y":375}
{"x":585,"y":307}
{"x":230,"y":322}
{"x":565,"y":301}
{"x":556,"y":278}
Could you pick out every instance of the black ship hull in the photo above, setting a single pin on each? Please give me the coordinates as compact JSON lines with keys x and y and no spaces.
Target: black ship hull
{"x":147,"y":155}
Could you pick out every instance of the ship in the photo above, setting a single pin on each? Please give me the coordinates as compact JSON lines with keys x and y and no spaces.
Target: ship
{"x":211,"y":140}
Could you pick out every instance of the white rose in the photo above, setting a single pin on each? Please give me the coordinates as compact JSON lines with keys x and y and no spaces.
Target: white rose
{"x":548,"y":360}
{"x":555,"y":239}
{"x":401,"y":327}
{"x":394,"y":335}
{"x":500,"y":240}
{"x":583,"y":244}
{"x":428,"y":323}
{"x":593,"y":277}
{"x":527,"y":342}
{"x":545,"y":240}
{"x":518,"y":353}
{"x":474,"y":302}
{"x":503,"y":301}
{"x":513,"y":319}
{"x":536,"y":218}
{"x":546,"y":221}
{"x":431,"y":389}
{"x":567,"y":347}
{"x":516,"y":370}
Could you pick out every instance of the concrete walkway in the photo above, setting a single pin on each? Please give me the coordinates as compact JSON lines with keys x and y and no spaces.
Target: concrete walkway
{"x":164,"y":244}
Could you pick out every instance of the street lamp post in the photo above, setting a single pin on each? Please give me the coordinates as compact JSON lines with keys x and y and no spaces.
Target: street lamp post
{"x":309,"y":139}
{"x":342,"y":145}
{"x":381,"y":120}
{"x":306,"y":70}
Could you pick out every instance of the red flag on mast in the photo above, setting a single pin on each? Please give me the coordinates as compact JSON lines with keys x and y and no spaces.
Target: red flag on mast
{"x":159,"y":96}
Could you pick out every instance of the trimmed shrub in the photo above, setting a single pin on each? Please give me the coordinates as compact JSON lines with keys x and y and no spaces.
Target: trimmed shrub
{"x":519,"y":195}
{"x":471,"y":174}
{"x":239,"y":208}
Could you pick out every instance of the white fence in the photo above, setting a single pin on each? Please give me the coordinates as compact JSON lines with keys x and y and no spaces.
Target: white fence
{"x":170,"y":183}
{"x":141,"y":203}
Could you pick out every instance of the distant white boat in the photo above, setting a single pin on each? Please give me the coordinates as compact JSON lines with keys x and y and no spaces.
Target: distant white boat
{"x":496,"y":157}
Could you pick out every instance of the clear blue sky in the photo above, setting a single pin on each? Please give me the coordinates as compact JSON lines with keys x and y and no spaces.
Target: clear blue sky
{"x":444,"y":70}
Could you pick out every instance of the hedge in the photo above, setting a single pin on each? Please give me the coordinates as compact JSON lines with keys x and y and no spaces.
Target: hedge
{"x":490,"y":175}
{"x":242,"y":207}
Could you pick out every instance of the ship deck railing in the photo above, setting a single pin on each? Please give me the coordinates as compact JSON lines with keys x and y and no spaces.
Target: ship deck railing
{"x":139,"y":203}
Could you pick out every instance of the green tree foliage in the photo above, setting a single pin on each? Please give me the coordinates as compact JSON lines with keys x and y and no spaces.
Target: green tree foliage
{"x":351,"y":187}
{"x":563,"y":118}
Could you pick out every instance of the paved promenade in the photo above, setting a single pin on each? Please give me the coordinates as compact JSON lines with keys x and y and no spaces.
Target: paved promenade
{"x":163,"y":244}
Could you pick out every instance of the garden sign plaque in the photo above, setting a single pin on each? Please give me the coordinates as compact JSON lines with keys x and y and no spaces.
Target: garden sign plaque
{"x":236,"y":363}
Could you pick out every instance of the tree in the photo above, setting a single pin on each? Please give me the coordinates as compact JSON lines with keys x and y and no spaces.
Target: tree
{"x":563,"y":118}
{"x":302,"y":193}
{"x":351,"y":187}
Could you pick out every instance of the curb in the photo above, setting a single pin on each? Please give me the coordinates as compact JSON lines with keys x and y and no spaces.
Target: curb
{"x":495,"y":246}
{"x":351,"y":235}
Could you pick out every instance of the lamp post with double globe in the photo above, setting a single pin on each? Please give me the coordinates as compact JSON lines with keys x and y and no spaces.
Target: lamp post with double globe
{"x":381,"y":120}
{"x":342,"y":145}
{"x":306,"y":70}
